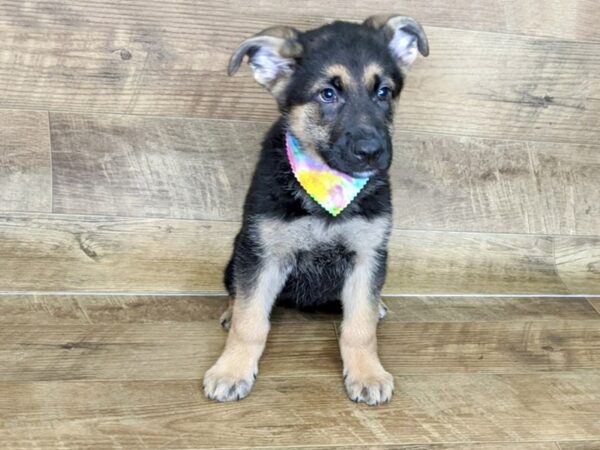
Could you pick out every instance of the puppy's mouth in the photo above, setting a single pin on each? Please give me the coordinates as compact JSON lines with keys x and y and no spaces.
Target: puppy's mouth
{"x":350,"y":168}
{"x":364,"y":174}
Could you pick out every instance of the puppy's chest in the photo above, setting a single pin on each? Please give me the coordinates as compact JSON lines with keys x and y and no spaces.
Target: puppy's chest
{"x":318,"y":237}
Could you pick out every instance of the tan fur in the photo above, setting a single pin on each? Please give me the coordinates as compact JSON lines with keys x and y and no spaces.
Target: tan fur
{"x":341,"y":72}
{"x":366,"y":379}
{"x":304,"y":124}
{"x":370,"y":73}
{"x":233,"y":375}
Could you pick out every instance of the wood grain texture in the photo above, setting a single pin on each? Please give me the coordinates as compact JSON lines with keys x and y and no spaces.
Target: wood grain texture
{"x":102,"y":309}
{"x":25,"y":162}
{"x":105,"y":309}
{"x":580,"y":445}
{"x":489,"y":347}
{"x":459,"y":263}
{"x":133,"y":166}
{"x":471,"y":184}
{"x":457,"y":446}
{"x":578,"y":263}
{"x":91,"y":253}
{"x":426,"y":409}
{"x":155,"y":351}
{"x":84,"y":253}
{"x":152,"y":351}
{"x":178,"y":168}
{"x":595,"y":302}
{"x":481,"y":309}
{"x":169,"y":59}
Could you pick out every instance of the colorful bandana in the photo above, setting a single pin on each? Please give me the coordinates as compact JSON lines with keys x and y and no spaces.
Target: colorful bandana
{"x":331,"y":189}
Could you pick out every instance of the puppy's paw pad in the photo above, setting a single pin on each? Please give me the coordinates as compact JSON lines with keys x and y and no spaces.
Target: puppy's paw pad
{"x":372,"y":389}
{"x":225,"y":386}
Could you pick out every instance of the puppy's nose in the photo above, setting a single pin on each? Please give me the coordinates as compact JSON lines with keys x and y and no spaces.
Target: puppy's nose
{"x":368,"y":150}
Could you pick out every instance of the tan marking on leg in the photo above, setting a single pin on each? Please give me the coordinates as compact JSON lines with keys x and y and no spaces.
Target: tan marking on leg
{"x":233,"y":375}
{"x":365,"y":378}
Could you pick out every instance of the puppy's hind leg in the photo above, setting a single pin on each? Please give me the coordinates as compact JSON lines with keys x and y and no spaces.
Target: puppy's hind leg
{"x":225,"y":319}
{"x":234,"y":373}
{"x":383,"y":310}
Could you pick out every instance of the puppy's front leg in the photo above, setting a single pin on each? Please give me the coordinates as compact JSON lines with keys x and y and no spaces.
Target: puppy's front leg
{"x":365,"y":378}
{"x":233,"y":375}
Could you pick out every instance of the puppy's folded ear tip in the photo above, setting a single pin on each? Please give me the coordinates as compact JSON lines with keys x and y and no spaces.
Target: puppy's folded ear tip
{"x":232,"y":69}
{"x":236,"y":60}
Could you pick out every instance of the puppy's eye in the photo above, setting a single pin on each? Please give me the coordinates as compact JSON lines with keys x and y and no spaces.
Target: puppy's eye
{"x":383,"y":93}
{"x":328,"y":95}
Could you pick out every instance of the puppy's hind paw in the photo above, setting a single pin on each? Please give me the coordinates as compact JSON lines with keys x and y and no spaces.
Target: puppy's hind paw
{"x":383,"y":310}
{"x":225,"y":319}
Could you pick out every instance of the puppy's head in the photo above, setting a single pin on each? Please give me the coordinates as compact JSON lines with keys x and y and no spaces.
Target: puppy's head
{"x":337,"y":85}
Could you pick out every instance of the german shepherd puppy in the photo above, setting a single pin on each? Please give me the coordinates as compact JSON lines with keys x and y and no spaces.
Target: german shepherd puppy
{"x":336,"y":87}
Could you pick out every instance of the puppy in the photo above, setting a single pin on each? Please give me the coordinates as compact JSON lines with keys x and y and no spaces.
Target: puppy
{"x":317,"y":216}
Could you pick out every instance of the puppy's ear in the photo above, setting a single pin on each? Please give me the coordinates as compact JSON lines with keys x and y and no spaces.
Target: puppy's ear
{"x":405,"y":37}
{"x":272,"y":55}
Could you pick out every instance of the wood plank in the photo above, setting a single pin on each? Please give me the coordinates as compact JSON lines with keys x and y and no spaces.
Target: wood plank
{"x":99,"y":58}
{"x":177,"y":168}
{"x":84,"y":253}
{"x":133,"y":166}
{"x":471,"y":184}
{"x":106,"y":309}
{"x":595,"y":302}
{"x":100,"y":254}
{"x":25,"y":165}
{"x":578,"y":263}
{"x":483,"y":309}
{"x":537,"y":17}
{"x":155,"y":351}
{"x":489,"y":347}
{"x":580,"y":445}
{"x":471,"y":263}
{"x":426,"y":409}
{"x":163,"y":352}
{"x":456,"y":446}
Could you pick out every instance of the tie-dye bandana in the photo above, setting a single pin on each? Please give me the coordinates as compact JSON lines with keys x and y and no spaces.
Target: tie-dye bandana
{"x":331,"y":189}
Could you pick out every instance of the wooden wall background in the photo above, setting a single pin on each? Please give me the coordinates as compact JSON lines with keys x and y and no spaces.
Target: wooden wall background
{"x":125,"y":151}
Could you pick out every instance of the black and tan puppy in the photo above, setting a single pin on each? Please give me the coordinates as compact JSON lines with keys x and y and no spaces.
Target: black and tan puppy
{"x":336,"y":88}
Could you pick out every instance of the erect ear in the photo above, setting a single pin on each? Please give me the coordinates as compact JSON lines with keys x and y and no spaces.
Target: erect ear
{"x":271,"y":54}
{"x":405,"y":37}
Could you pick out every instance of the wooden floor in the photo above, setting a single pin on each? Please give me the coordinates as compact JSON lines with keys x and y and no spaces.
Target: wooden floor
{"x":91,"y":372}
{"x":125,"y":154}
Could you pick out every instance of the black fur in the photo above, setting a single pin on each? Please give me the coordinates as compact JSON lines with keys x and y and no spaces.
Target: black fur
{"x":317,"y":277}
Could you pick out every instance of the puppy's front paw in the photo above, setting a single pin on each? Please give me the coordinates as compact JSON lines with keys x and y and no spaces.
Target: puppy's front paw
{"x":372,"y":387}
{"x":225,"y":382}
